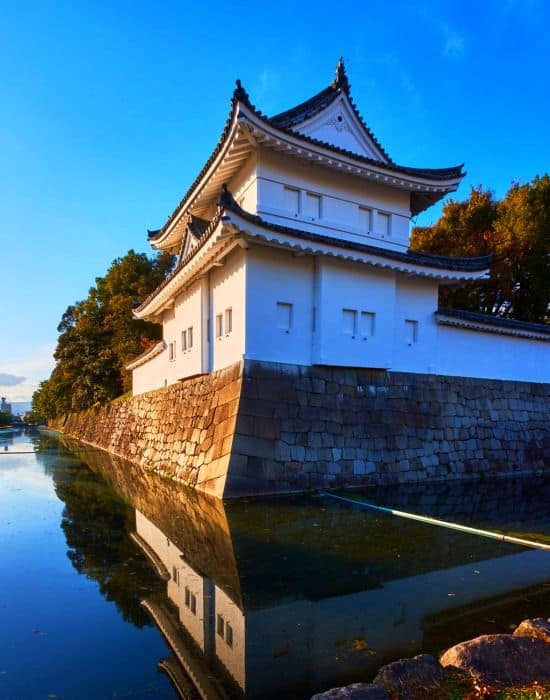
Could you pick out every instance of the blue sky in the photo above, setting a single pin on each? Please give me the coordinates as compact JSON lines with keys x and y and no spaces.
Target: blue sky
{"x":108,"y":111}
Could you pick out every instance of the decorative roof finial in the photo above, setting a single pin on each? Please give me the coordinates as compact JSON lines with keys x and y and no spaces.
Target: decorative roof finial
{"x":341,"y":79}
{"x":240,"y":93}
{"x":226,"y":198}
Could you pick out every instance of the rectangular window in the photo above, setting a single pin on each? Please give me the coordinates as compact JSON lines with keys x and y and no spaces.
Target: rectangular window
{"x":190,"y":337}
{"x":228,"y":320}
{"x":383,"y":226}
{"x":284,"y":316}
{"x":411,"y":331}
{"x":219,"y":326}
{"x":367,"y":323}
{"x":190,"y":601}
{"x":312,"y":206}
{"x":365,"y":219}
{"x":292,"y":200}
{"x":228,"y":634}
{"x":172,"y":351}
{"x":183,"y":341}
{"x":220,"y":626}
{"x":349,"y":322}
{"x":175,"y":576}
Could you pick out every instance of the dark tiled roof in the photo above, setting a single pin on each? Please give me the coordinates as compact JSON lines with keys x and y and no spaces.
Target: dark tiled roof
{"x":198,"y":226}
{"x":153,"y":350}
{"x":419,"y":200}
{"x":391,"y":166}
{"x":309,"y":108}
{"x":508,"y":323}
{"x":184,"y":260}
{"x":228,"y":204}
{"x":440,"y":262}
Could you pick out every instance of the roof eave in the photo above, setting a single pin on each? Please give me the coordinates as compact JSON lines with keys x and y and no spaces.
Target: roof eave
{"x":377,"y":257}
{"x":308,"y":148}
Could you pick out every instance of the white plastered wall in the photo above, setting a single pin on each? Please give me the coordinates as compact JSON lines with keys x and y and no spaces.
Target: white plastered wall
{"x":344,"y":199}
{"x":274,"y":279}
{"x":227,"y":291}
{"x":471,"y":353}
{"x":185,"y":314}
{"x":355,"y":315}
{"x":149,"y":376}
{"x":232,"y":656}
{"x":415,"y":303}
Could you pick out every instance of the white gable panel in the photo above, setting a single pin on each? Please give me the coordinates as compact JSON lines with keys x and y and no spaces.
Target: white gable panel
{"x":339,"y":126}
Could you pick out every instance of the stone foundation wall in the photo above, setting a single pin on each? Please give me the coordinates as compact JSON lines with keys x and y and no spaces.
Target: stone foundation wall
{"x":315,"y":427}
{"x":184,"y":431}
{"x":263,"y":427}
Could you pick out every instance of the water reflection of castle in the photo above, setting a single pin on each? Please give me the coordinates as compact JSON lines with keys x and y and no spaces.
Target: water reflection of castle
{"x":292,"y":646}
{"x":284,"y":597}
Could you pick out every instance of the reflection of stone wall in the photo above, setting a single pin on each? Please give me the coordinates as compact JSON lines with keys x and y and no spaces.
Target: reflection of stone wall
{"x":196,"y":523}
{"x":513,"y":502}
{"x":277,"y":427}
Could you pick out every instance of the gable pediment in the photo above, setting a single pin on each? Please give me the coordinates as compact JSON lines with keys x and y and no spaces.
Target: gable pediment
{"x":338,"y":125}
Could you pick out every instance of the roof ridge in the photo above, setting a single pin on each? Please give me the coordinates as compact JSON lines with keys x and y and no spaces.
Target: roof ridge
{"x":322,"y":99}
{"x":339,"y":85}
{"x":227,"y":203}
{"x":494,"y":319}
{"x":480,"y":262}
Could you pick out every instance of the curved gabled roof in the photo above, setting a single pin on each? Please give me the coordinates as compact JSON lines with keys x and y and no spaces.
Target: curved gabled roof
{"x":437,"y":262}
{"x":285,"y":123}
{"x":311,"y":107}
{"x":439,"y":265}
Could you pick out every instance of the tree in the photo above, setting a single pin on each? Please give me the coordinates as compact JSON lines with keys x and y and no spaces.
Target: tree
{"x":464,"y":229}
{"x":524,"y":224}
{"x":99,"y":336}
{"x":515,"y":231}
{"x":5,"y":419}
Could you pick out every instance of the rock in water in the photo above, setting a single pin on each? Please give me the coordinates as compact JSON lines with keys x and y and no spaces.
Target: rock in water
{"x":409,"y":676}
{"x":502,"y":659}
{"x":538,"y":627}
{"x":356,"y":691}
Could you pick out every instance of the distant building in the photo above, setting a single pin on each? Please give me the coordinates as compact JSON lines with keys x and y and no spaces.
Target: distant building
{"x":293,"y":247}
{"x":4,"y":406}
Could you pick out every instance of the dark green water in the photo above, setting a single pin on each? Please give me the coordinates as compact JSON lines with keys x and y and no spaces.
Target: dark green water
{"x":106,"y":570}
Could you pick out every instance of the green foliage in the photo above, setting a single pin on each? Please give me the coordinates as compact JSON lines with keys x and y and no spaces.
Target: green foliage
{"x":5,"y":419}
{"x":96,"y":524}
{"x":99,"y":336}
{"x":516,"y":231}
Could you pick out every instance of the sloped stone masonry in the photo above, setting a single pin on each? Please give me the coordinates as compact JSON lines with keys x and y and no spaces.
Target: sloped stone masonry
{"x":184,"y":431}
{"x":263,"y":427}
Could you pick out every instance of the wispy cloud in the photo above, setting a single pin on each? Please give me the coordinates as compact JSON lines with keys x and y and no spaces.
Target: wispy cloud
{"x":7,"y":379}
{"x":268,"y":84}
{"x":19,"y":378}
{"x":400,"y":76}
{"x":454,"y":43}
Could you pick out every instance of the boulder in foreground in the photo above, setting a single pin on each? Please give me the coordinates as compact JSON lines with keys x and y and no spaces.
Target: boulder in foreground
{"x":538,"y":627}
{"x":409,"y":677}
{"x":502,"y":659}
{"x":356,"y":691}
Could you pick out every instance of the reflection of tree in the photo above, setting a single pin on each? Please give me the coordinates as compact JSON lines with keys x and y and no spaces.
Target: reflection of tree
{"x":96,"y":523}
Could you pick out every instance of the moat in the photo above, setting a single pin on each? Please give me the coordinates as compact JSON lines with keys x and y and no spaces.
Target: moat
{"x":118,"y":583}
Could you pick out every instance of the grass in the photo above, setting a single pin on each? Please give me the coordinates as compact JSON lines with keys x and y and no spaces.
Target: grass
{"x":127,"y":395}
{"x":462,"y":687}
